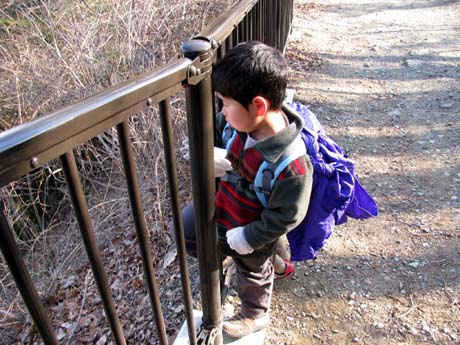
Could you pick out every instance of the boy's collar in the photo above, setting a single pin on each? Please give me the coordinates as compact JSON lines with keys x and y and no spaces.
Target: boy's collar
{"x":273,"y":148}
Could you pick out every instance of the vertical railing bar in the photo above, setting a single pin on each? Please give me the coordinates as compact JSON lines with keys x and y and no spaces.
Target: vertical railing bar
{"x":274,"y":23}
{"x":265,"y":22}
{"x":170,"y":157}
{"x":279,"y":30}
{"x":200,"y":130}
{"x":257,"y":20}
{"x":260,"y":20}
{"x":251,"y":24}
{"x":129,"y":164}
{"x":275,"y":19}
{"x":288,"y":20}
{"x":246,"y":27}
{"x":229,"y":41}
{"x":291,"y":14}
{"x":243,"y":29}
{"x":286,"y":23}
{"x":23,"y":280}
{"x":254,"y":22}
{"x":288,"y":11}
{"x":283,"y":25}
{"x":266,"y":16}
{"x":270,"y":30}
{"x":235,"y":36}
{"x":283,"y":35}
{"x":221,"y":51}
{"x":89,"y":239}
{"x":249,"y":15}
{"x":220,"y":54}
{"x":240,"y":32}
{"x":255,"y":12}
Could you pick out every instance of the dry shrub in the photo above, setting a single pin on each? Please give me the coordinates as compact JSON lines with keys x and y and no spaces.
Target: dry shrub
{"x":55,"y":52}
{"x":51,"y":54}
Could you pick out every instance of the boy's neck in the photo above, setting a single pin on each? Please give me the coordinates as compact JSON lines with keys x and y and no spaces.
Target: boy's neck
{"x":273,"y":122}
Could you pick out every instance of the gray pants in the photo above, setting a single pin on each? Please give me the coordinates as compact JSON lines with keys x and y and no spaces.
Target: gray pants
{"x":254,"y":275}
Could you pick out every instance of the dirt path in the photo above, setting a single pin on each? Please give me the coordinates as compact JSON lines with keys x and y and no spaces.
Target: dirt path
{"x":384,"y":79}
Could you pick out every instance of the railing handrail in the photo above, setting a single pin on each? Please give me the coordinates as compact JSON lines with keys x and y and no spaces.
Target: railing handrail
{"x":223,"y":25}
{"x":26,"y":147}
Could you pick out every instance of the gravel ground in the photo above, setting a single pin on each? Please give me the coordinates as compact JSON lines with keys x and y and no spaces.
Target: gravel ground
{"x":383,"y":79}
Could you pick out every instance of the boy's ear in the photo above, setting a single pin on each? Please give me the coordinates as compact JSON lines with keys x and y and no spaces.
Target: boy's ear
{"x":261,"y":104}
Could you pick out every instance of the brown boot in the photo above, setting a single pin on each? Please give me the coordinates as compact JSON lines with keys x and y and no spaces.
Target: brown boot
{"x":239,"y":325}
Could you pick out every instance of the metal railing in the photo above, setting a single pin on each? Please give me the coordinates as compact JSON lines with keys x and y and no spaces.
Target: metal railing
{"x":29,"y":146}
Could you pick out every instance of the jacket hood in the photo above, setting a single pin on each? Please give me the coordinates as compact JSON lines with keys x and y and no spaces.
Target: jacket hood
{"x":272,"y":148}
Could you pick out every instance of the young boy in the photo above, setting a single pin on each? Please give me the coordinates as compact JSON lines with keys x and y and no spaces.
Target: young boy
{"x":251,"y":80}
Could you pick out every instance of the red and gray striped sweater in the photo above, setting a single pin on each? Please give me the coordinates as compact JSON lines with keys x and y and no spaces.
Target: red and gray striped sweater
{"x":238,"y":205}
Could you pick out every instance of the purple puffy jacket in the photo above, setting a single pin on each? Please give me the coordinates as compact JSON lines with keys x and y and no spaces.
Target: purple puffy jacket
{"x":336,"y":192}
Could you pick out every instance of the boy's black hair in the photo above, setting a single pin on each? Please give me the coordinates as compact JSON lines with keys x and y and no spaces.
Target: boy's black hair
{"x":252,"y":69}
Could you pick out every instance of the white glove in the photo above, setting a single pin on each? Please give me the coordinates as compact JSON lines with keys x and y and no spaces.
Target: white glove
{"x":221,"y":164}
{"x":237,"y":241}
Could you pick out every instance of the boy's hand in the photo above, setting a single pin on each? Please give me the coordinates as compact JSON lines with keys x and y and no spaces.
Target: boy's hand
{"x":237,"y":241}
{"x":221,"y":164}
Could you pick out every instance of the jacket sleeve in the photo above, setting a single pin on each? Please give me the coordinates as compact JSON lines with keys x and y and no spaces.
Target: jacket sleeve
{"x":287,"y":207}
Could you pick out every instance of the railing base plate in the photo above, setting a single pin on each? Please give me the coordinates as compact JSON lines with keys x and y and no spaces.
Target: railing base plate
{"x":256,"y":338}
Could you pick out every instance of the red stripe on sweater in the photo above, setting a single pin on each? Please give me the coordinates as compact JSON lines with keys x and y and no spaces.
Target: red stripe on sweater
{"x":250,"y":164}
{"x":301,"y":168}
{"x":237,"y":197}
{"x":234,"y":149}
{"x":295,"y":168}
{"x":223,"y":201}
{"x":225,"y":222}
{"x":229,"y":211}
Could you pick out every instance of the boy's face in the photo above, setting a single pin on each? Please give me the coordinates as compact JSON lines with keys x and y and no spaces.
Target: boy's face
{"x":240,"y":118}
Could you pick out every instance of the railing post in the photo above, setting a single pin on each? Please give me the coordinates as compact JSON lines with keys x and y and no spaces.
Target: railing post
{"x":201,"y":141}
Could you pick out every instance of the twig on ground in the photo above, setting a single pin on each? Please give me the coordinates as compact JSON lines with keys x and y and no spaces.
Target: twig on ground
{"x":83,"y":301}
